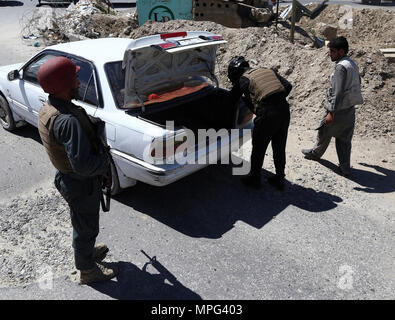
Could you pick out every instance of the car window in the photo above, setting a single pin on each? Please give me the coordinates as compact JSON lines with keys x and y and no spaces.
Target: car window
{"x":116,"y":78}
{"x":87,"y":88}
{"x":162,"y":92}
{"x":30,"y":72}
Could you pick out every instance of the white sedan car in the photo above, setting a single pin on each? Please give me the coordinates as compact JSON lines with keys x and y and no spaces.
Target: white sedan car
{"x":156,"y":95}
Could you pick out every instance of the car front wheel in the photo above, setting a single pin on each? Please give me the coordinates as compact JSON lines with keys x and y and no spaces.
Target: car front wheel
{"x":6,"y":118}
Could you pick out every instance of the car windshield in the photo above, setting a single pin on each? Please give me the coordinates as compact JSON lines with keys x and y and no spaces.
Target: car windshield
{"x":162,"y":92}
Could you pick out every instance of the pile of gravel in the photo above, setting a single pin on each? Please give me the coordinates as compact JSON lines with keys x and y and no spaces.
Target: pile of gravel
{"x":306,"y":67}
{"x":35,"y":238}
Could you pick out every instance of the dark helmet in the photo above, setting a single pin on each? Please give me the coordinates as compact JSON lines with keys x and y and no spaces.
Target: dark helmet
{"x":57,"y":74}
{"x":237,"y":66}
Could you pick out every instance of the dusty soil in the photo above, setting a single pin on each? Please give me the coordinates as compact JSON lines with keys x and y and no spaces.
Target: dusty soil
{"x":369,"y":27}
{"x":308,"y":68}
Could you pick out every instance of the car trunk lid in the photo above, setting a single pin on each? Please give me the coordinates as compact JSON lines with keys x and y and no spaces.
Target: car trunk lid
{"x":168,"y":65}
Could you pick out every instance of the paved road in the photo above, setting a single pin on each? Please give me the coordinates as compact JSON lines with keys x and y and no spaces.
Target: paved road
{"x":12,"y":16}
{"x":218,"y":239}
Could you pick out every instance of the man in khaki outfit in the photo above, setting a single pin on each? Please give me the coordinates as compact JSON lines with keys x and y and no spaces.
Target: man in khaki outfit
{"x":339,"y":115}
{"x":73,"y":146}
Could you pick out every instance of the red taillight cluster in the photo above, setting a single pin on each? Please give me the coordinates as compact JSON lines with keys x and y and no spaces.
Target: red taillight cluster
{"x":166,"y":45}
{"x":173,"y":35}
{"x":164,"y":150}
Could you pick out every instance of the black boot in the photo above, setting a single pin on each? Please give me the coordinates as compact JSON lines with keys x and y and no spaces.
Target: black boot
{"x":252,"y":181}
{"x":277,"y":182}
{"x":310,"y":155}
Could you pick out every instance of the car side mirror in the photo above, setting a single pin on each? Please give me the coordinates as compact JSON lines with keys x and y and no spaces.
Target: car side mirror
{"x":12,"y":75}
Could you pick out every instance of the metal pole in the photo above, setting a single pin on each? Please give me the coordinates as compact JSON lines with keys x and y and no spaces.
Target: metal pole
{"x":293,"y":20}
{"x":277,"y":4}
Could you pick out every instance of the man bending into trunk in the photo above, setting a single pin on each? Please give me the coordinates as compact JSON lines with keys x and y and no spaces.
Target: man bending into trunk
{"x":265,"y":93}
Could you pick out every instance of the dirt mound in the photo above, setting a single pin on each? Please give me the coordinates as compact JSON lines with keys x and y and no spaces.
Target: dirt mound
{"x":308,"y":69}
{"x":367,"y":27}
{"x":112,"y":26}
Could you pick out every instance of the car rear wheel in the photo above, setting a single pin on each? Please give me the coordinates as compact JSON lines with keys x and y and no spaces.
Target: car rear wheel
{"x":115,"y":187}
{"x":6,"y":118}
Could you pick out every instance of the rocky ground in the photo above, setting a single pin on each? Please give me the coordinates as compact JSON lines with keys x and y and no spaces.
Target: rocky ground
{"x":35,"y":234}
{"x":34,"y":227}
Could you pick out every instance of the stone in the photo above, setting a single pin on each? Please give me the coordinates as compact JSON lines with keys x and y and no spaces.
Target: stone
{"x":260,"y":15}
{"x":329,"y":32}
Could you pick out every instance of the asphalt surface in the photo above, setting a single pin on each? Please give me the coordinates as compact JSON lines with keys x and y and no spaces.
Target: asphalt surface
{"x":213,"y":238}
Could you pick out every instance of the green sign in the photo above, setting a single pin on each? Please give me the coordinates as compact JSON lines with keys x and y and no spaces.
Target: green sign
{"x":163,"y":10}
{"x":161,"y":14}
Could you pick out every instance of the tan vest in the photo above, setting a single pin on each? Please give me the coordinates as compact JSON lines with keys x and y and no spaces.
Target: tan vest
{"x":57,"y":153}
{"x":263,"y":83}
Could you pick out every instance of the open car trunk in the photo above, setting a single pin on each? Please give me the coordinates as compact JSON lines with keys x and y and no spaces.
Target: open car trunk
{"x":214,"y":110}
{"x":170,"y":77}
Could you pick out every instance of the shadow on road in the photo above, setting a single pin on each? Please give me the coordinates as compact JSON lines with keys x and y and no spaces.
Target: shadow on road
{"x":209,"y":202}
{"x":135,"y":284}
{"x":382,"y":182}
{"x":28,"y":131}
{"x":11,"y":4}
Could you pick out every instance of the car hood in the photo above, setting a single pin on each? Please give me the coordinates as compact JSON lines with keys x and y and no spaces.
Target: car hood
{"x":164,"y":58}
{"x":8,"y":68}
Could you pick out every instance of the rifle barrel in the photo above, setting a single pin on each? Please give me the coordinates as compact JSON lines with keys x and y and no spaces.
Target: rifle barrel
{"x":146,"y":255}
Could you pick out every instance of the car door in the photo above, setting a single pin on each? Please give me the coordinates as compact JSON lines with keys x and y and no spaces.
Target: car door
{"x":30,"y":97}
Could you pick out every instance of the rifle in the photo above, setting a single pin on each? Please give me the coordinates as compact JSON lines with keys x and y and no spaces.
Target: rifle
{"x":162,"y":270}
{"x":106,"y":179}
{"x":106,"y":186}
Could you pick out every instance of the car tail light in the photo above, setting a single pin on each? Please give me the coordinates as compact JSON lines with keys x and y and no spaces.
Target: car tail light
{"x":173,"y":35}
{"x":164,"y":46}
{"x":160,"y":150}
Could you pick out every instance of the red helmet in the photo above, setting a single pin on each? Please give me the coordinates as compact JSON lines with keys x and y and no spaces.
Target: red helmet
{"x":57,"y":74}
